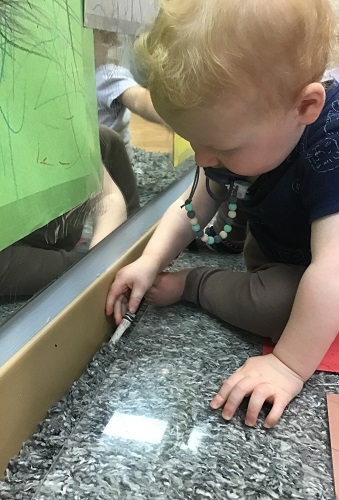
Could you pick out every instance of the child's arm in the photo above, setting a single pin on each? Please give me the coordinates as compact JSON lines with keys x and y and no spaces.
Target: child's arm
{"x":314,"y":321}
{"x":312,"y":327}
{"x":138,"y":100}
{"x":110,"y":209}
{"x":172,"y":235}
{"x":174,"y":231}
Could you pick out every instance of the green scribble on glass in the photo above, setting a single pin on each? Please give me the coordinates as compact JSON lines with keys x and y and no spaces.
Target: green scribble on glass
{"x":49,"y":142}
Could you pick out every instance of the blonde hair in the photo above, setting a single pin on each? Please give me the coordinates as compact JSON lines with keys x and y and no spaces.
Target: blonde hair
{"x":197,"y":49}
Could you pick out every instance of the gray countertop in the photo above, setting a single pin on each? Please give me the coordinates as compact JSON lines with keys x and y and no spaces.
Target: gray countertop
{"x":138,"y":424}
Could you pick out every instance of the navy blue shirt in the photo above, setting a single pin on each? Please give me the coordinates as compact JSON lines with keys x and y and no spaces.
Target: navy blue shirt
{"x":283,"y":203}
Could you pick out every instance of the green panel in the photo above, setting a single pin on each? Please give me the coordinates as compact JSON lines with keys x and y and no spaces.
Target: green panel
{"x":49,"y":147}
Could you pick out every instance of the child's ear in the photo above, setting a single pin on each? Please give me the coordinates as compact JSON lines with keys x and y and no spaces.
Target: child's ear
{"x":310,"y":103}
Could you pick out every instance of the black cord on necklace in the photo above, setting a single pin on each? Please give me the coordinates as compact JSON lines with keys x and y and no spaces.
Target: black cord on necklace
{"x":193,"y":188}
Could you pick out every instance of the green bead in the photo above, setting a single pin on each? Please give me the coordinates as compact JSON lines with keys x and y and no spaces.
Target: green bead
{"x":233,"y":207}
{"x":210,"y":240}
{"x":227,"y":228}
{"x":189,"y":207}
{"x":196,"y":228}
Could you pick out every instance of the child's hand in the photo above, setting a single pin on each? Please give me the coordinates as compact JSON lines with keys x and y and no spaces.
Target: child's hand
{"x":263,"y":378}
{"x":130,"y":285}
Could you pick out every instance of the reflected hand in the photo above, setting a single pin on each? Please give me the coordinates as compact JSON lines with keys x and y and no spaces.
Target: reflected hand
{"x":263,"y":378}
{"x":129,"y":287}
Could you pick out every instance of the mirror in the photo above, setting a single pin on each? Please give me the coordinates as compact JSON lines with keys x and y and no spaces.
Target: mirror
{"x":91,"y":185}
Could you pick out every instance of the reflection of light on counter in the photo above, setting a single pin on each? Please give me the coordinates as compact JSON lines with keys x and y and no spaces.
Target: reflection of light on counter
{"x":194,"y":441}
{"x":136,"y":428}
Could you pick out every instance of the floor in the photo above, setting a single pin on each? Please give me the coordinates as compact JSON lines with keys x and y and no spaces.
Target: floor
{"x":138,"y":426}
{"x":150,"y":136}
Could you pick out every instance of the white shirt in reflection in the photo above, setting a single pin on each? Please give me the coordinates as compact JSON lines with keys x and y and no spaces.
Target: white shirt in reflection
{"x":111,"y":82}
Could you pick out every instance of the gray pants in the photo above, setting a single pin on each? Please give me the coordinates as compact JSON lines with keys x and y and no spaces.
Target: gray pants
{"x":259,"y":300}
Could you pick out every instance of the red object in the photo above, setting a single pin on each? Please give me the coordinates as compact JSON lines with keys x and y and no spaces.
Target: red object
{"x":333,"y":420}
{"x":330,"y":363}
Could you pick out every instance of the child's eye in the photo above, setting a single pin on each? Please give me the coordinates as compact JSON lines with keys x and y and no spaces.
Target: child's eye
{"x":226,"y":151}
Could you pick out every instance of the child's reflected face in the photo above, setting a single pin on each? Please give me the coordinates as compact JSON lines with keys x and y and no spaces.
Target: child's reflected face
{"x":234,"y":136}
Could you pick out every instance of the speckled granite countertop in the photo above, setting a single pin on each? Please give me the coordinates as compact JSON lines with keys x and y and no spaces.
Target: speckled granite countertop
{"x":144,"y":429}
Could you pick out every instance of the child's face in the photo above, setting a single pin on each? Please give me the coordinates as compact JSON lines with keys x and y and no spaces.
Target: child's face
{"x":234,"y":136}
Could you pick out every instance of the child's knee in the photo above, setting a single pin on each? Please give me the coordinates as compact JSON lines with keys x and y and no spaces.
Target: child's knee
{"x":279,"y":286}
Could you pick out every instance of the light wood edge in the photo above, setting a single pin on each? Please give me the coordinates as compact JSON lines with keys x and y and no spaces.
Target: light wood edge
{"x":40,"y":373}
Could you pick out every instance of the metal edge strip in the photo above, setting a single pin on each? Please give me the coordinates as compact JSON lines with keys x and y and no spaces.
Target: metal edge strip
{"x":37,"y":313}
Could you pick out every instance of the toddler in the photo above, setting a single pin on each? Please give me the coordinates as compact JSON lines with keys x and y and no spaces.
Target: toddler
{"x":117,"y":91}
{"x":241,"y":81}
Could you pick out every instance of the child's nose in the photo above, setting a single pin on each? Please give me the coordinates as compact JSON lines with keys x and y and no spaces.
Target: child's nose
{"x":205,"y":158}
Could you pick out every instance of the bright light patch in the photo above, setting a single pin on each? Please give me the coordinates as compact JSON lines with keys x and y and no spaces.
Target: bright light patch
{"x":136,"y":428}
{"x":195,"y":439}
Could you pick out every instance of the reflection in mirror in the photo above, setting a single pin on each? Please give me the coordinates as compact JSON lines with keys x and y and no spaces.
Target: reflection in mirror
{"x":125,"y":106}
{"x":71,"y":198}
{"x":50,"y":169}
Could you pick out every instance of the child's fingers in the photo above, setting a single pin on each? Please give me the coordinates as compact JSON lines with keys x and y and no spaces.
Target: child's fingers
{"x":221,"y":397}
{"x":260,"y":394}
{"x":120,"y":309}
{"x":109,"y":303}
{"x":276,"y":412}
{"x":235,"y":397}
{"x":118,"y":288}
{"x":137,"y":294}
{"x":113,"y":293}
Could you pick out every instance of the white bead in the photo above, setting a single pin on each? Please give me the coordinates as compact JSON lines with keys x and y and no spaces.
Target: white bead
{"x":223,"y":235}
{"x":204,"y":238}
{"x":194,"y":221}
{"x":231,"y":214}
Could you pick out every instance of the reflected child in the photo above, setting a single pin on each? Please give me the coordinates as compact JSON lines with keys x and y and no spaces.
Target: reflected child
{"x":117,"y":91}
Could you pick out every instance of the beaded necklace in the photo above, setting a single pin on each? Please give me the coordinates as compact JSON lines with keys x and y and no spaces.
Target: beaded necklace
{"x":237,"y":190}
